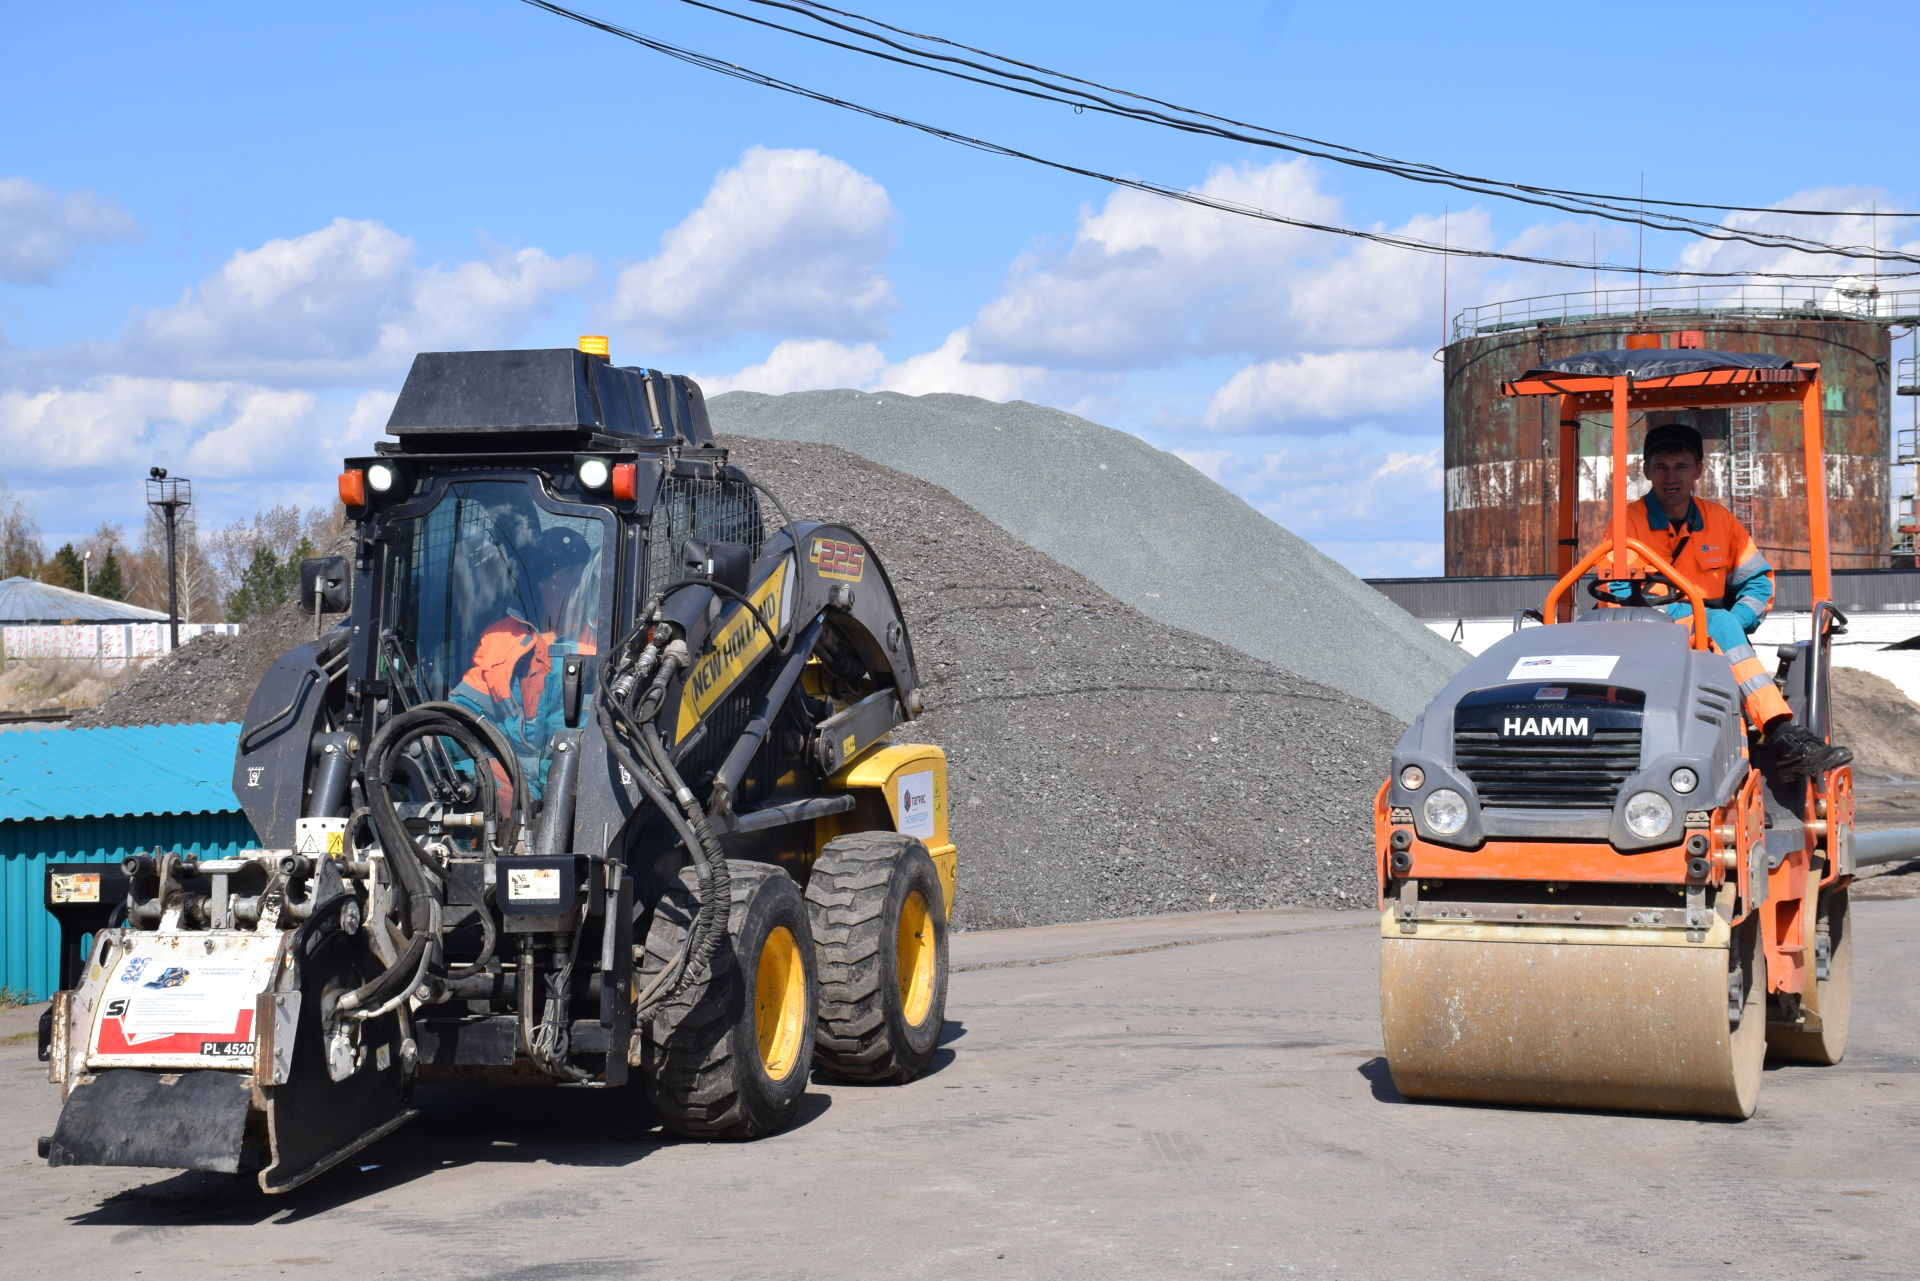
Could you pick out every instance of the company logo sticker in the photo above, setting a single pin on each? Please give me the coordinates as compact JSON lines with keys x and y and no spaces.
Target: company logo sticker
{"x":133,"y":970}
{"x":914,"y":797}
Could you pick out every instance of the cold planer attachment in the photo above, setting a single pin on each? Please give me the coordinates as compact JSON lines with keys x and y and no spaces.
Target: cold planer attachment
{"x":596,"y":784}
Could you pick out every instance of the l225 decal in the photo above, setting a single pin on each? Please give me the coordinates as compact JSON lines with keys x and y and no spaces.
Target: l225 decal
{"x":837,"y":559}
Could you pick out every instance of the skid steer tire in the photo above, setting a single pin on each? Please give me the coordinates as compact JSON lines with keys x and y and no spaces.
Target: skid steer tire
{"x":880,"y":922}
{"x":728,"y":1055}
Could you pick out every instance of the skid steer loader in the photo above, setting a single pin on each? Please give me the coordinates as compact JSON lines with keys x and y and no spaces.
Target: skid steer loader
{"x":1598,"y":889}
{"x":595,"y":785}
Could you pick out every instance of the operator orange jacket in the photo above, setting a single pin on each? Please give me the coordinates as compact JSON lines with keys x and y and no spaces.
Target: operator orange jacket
{"x":1713,"y":549}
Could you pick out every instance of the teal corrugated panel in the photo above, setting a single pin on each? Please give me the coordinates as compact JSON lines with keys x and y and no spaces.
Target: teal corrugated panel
{"x":129,"y":769}
{"x":29,"y":939}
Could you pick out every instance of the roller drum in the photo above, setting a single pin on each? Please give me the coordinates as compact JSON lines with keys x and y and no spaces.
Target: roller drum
{"x":1637,"y":1022}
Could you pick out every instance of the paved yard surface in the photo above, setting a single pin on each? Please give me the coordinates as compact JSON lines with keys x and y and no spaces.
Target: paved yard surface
{"x":1193,"y":1096}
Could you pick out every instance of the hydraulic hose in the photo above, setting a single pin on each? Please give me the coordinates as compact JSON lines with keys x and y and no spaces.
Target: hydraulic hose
{"x":421,"y":886}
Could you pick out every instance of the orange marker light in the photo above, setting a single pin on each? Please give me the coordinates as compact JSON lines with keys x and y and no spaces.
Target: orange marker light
{"x":626,"y":481}
{"x":594,"y":344}
{"x":353,"y":488}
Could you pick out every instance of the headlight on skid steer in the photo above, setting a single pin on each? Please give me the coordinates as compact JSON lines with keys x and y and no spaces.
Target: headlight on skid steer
{"x":1648,"y":814}
{"x":1446,"y":811}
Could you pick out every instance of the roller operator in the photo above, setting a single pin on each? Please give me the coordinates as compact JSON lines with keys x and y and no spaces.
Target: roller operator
{"x":1705,"y":542}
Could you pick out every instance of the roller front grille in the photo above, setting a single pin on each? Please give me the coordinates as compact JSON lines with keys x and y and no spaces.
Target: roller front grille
{"x":1533,"y":773}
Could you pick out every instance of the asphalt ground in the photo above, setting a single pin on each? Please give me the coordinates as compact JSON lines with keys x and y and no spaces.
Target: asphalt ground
{"x":1185,"y":1096}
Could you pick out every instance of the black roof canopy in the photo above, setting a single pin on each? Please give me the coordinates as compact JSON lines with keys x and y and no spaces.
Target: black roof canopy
{"x":453,"y":396}
{"x":1652,"y":362}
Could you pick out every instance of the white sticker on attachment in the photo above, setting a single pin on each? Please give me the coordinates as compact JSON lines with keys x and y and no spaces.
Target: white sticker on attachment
{"x":533,"y":883}
{"x":914,"y":800}
{"x":1565,"y":667}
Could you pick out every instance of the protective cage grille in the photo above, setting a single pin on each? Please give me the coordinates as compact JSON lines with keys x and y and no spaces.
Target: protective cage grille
{"x":1532,"y":774}
{"x":723,"y":510}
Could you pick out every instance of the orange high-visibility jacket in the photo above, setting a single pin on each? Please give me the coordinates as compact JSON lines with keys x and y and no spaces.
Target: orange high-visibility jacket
{"x":1713,"y":549}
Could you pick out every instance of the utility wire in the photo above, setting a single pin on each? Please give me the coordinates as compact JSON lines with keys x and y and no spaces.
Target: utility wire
{"x":1241,"y":124}
{"x":1080,"y":100}
{"x":721,"y":66}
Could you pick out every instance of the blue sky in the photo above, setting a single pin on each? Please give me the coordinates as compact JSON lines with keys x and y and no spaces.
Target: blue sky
{"x":224,"y":228}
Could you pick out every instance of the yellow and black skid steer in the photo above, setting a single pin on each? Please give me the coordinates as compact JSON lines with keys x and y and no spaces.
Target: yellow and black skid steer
{"x":596,"y":784}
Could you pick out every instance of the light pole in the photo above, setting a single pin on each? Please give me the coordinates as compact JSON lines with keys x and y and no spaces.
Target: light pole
{"x":170,"y":496}
{"x":86,"y":572}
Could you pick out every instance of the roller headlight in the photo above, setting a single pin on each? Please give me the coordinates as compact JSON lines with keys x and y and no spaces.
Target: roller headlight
{"x":1684,"y":780}
{"x":380,"y":478}
{"x":594,"y":473}
{"x":1648,"y":814}
{"x":1412,"y":777}
{"x":1446,"y":811}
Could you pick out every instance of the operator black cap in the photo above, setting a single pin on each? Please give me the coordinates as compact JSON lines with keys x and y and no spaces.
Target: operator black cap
{"x":1671,"y":436}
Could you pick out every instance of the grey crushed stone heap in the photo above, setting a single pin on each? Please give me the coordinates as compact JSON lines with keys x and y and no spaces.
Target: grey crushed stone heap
{"x":1139,"y":522}
{"x":1103,"y":764}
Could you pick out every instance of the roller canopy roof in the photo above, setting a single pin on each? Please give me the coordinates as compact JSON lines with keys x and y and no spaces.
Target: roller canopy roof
{"x":1651,"y":363}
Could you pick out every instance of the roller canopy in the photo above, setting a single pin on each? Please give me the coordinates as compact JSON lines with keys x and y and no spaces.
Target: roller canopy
{"x":1652,"y":363}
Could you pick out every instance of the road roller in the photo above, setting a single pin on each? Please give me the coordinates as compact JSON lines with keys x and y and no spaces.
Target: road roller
{"x":1599,"y":887}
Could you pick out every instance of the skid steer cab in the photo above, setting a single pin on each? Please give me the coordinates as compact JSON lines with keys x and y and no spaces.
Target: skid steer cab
{"x":597,"y":783}
{"x":1598,"y":887}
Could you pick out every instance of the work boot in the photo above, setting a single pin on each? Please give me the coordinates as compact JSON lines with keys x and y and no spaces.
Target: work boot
{"x":1799,"y":751}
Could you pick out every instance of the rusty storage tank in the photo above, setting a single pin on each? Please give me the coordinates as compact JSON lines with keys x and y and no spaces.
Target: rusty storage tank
{"x":1500,"y":452}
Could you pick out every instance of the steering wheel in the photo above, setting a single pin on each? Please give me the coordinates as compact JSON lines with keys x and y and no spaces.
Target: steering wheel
{"x":1637,"y":597}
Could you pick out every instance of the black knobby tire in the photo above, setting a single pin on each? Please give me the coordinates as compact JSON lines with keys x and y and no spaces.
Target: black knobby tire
{"x":707,"y":1073}
{"x":861,"y":889}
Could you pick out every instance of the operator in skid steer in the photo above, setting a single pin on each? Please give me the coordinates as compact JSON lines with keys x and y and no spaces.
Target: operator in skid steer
{"x":511,"y":680}
{"x":1708,"y":545}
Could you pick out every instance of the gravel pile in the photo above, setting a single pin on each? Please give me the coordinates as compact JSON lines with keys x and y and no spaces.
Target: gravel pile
{"x":1136,"y":520}
{"x":210,"y":678}
{"x":1103,"y":763}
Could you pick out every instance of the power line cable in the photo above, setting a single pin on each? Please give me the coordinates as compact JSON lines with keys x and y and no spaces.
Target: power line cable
{"x":722,"y":67}
{"x":1389,"y":160}
{"x":1409,"y":171}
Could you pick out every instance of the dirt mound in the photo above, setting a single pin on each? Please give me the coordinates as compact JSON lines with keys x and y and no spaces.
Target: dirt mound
{"x":1103,"y":764}
{"x":1880,"y":724}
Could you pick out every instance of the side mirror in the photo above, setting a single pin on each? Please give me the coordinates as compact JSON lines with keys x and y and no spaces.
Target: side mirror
{"x":323,"y":585}
{"x":728,"y":564}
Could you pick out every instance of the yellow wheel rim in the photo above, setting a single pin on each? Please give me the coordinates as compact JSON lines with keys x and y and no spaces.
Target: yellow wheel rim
{"x":779,"y":1002}
{"x":914,"y":957}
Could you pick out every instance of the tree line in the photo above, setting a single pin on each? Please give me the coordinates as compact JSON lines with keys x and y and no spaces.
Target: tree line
{"x":238,"y":572}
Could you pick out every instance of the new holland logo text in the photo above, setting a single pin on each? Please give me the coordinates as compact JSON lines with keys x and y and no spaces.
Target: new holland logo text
{"x":707,"y":673}
{"x":836,"y":559}
{"x":1544,"y":727}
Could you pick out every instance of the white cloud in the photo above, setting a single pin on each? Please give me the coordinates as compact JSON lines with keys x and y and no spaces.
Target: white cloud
{"x":1853,"y":223}
{"x":41,"y":232}
{"x":802,"y":364}
{"x":787,"y":241}
{"x":1308,"y":392}
{"x":343,"y":304}
{"x":949,"y":367}
{"x":112,"y":422}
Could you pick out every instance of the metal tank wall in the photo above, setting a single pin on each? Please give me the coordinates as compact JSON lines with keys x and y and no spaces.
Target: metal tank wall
{"x":1500,"y":451}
